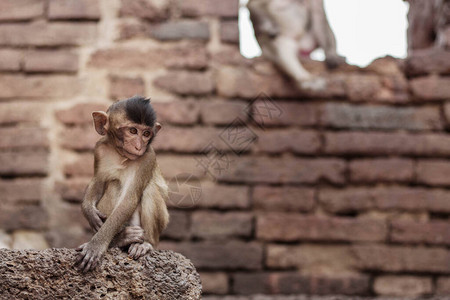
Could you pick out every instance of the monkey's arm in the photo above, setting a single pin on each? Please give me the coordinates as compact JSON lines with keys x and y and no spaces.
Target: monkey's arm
{"x":262,"y":21}
{"x":93,"y":194}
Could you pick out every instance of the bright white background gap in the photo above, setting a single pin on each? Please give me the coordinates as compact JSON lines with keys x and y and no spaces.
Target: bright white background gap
{"x":364,"y":29}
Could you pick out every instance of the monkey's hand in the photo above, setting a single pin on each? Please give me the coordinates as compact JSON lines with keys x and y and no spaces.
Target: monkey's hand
{"x":130,"y":235}
{"x":89,"y":256}
{"x":137,"y":250}
{"x":95,"y":218}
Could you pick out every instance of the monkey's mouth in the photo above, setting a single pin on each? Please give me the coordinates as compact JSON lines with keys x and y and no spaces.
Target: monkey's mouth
{"x":129,"y":155}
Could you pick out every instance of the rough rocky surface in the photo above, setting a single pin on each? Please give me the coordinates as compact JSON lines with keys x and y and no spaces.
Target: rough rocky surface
{"x":50,"y":274}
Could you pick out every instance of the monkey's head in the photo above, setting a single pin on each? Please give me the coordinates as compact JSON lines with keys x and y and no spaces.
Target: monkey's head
{"x":130,"y":124}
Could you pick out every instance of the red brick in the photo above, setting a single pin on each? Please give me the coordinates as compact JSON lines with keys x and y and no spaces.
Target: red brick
{"x":295,"y":227}
{"x":214,"y":283}
{"x":433,"y":172}
{"x":288,"y":140}
{"x":79,"y":138}
{"x":72,"y":189}
{"x":186,"y":83}
{"x":428,"y":61}
{"x":177,"y":112}
{"x":433,"y":232}
{"x":13,"y":163}
{"x":229,"y":31}
{"x":431,"y":88}
{"x":27,"y":190}
{"x":50,"y":61}
{"x":224,"y":255}
{"x":18,"y":10}
{"x":404,"y":286}
{"x":178,"y":227}
{"x":74,"y":9}
{"x":222,"y":112}
{"x":23,"y":137}
{"x":187,"y":139}
{"x":181,"y":29}
{"x":47,"y":34}
{"x":218,"y":196}
{"x":342,"y":115}
{"x":284,"y":170}
{"x":39,"y":86}
{"x":215,"y":225}
{"x":147,"y":9}
{"x":443,"y":286}
{"x":288,"y":199}
{"x":401,"y":259}
{"x":188,"y":55}
{"x":266,"y":112}
{"x":20,"y":112}
{"x":83,"y":165}
{"x":197,"y":8}
{"x":79,"y":114}
{"x":182,"y":166}
{"x":13,"y":217}
{"x":296,"y":283}
{"x":121,"y":87}
{"x":386,"y":65}
{"x":10,"y":60}
{"x":309,"y":257}
{"x":383,"y":169}
{"x":230,"y":55}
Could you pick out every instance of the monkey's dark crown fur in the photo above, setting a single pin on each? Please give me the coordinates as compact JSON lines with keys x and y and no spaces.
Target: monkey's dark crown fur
{"x":138,"y":109}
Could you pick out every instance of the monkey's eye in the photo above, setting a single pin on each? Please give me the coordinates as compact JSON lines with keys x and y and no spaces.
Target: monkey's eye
{"x":147,"y":133}
{"x":133,"y":130}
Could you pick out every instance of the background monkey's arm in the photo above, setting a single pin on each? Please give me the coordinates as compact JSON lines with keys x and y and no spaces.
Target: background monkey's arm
{"x":261,"y":19}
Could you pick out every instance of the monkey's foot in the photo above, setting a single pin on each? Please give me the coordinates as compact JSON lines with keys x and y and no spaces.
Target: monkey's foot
{"x":313,"y":84}
{"x":138,"y":250}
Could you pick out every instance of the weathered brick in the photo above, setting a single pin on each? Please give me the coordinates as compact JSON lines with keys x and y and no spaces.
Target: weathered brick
{"x":384,"y":198}
{"x":431,"y":88}
{"x":20,"y":112}
{"x":74,"y":9}
{"x":433,"y":232}
{"x":147,"y":9}
{"x":433,"y":172}
{"x":425,"y":61}
{"x":18,"y":10}
{"x":342,"y":115}
{"x":228,"y":255}
{"x":184,"y":139}
{"x":309,"y":257}
{"x":39,"y":86}
{"x":121,"y":87}
{"x":401,"y":258}
{"x":10,"y":60}
{"x":13,"y":217}
{"x":186,"y":83}
{"x":182,"y":166}
{"x":79,"y":138}
{"x":404,"y":286}
{"x":229,"y":31}
{"x":178,"y":227}
{"x":79,"y":114}
{"x":214,"y":283}
{"x":288,"y":140}
{"x":295,"y":227}
{"x":289,"y":199}
{"x":267,"y":112}
{"x":443,"y":286}
{"x":197,"y":8}
{"x":382,"y":169}
{"x":83,"y":165}
{"x":72,"y":189}
{"x":27,"y":239}
{"x":23,"y":137}
{"x":47,"y":34}
{"x":13,"y":163}
{"x":222,"y":112}
{"x":50,"y":61}
{"x":215,"y":225}
{"x":296,"y":283}
{"x":218,"y":196}
{"x":183,"y":29}
{"x":27,"y":190}
{"x":284,"y":170}
{"x":177,"y":112}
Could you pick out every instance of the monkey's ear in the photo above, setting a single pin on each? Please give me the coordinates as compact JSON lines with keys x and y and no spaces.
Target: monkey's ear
{"x":157,"y":128}
{"x":100,"y":122}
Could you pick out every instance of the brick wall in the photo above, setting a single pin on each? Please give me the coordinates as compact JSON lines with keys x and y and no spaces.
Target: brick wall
{"x":345,"y":191}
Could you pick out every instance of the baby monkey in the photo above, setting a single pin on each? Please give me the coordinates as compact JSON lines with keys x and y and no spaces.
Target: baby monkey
{"x":125,"y":202}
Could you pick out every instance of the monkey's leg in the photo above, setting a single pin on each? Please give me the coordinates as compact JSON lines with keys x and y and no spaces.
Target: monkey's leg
{"x":138,"y":249}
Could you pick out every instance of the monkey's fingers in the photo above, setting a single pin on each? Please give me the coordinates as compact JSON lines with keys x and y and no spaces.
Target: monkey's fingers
{"x":81,"y":247}
{"x":132,"y":250}
{"x":101,"y":215}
